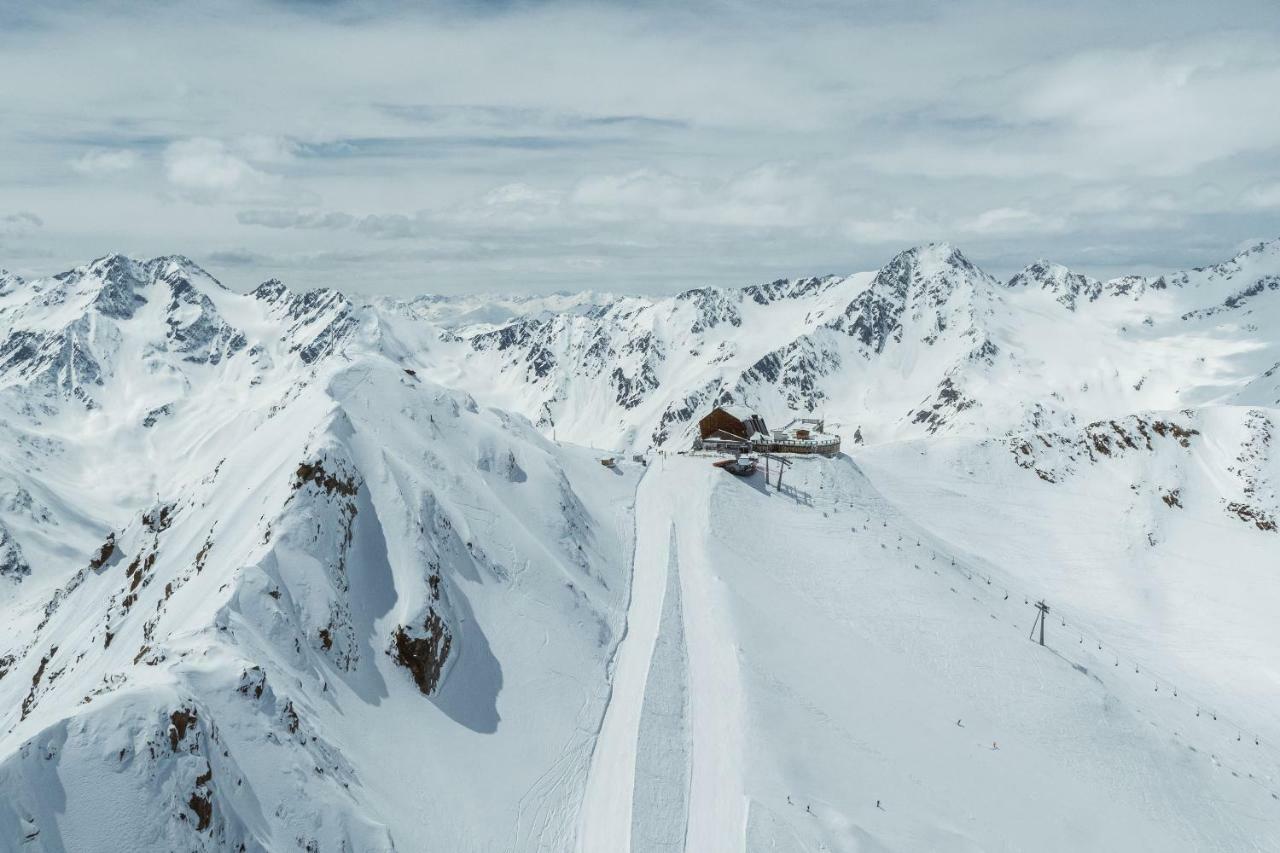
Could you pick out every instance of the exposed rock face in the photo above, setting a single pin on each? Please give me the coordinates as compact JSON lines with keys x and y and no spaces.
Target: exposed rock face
{"x":122,"y":283}
{"x":195,"y":328}
{"x":928,"y":284}
{"x":12,"y":563}
{"x":320,"y":321}
{"x":61,"y":363}
{"x":1055,"y":456}
{"x":424,"y":650}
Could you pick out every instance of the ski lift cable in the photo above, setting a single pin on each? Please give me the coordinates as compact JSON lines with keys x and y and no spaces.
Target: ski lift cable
{"x":1093,"y":636}
{"x":1157,"y":679}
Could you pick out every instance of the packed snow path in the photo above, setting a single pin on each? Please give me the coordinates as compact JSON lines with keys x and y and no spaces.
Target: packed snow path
{"x":606,"y":806}
{"x":675,"y":690}
{"x":660,"y":801}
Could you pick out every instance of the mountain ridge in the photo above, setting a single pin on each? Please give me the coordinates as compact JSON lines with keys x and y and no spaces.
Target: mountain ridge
{"x":288,"y":569}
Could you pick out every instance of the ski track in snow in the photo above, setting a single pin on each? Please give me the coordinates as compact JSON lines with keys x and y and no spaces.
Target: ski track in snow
{"x":660,"y":804}
{"x":716,"y":805}
{"x":607,"y":804}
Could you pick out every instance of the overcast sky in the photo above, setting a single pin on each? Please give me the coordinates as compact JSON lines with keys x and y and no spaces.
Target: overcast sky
{"x":386,"y":148}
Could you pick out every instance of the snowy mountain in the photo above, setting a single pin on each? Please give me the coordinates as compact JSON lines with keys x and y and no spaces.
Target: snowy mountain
{"x":927,"y":345}
{"x":291,"y":570}
{"x":257,"y":574}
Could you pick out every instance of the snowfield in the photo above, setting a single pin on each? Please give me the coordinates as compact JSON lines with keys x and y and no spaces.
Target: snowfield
{"x":851,"y":658}
{"x":286,"y":571}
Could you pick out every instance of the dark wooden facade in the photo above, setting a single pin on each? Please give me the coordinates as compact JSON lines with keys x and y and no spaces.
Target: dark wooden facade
{"x":740,"y":423}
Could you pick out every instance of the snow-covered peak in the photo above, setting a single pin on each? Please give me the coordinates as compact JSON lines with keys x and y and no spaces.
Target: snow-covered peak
{"x":298,"y":303}
{"x":318,"y":321}
{"x":9,"y":282}
{"x":66,"y":335}
{"x":270,"y":290}
{"x":476,"y":313}
{"x":1262,"y":252}
{"x":116,"y":285}
{"x":1068,"y":287}
{"x":112,"y":285}
{"x":1257,"y":261}
{"x":935,"y":286}
{"x":790,"y":288}
{"x":928,"y":343}
{"x":930,"y":274}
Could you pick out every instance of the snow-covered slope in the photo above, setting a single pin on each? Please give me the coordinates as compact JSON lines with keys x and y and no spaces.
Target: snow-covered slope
{"x":859,"y":676}
{"x":286,"y":570}
{"x":268,"y":576}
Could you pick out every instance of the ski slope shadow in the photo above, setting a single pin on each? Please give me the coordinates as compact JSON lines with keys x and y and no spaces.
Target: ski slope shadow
{"x":373,"y":593}
{"x":660,"y":798}
{"x":45,"y":799}
{"x":469,"y":695}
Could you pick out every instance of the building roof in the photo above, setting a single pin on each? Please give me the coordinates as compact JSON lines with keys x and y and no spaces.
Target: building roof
{"x":742,"y":413}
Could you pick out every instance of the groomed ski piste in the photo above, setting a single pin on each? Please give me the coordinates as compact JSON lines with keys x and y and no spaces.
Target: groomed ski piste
{"x":843,"y":680}
{"x":666,"y":758}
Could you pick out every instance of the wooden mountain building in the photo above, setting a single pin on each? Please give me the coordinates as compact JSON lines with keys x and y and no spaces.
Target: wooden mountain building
{"x":732,"y":421}
{"x":735,"y":429}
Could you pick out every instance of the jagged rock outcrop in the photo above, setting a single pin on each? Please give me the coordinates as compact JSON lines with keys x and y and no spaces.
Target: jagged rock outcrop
{"x":1069,"y":288}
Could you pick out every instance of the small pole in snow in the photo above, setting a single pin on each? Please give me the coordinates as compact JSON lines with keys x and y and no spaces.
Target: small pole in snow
{"x":1041,"y":618}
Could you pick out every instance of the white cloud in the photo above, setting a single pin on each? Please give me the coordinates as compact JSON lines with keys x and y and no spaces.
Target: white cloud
{"x":1164,"y":109}
{"x":390,"y":226}
{"x":705,"y":141}
{"x":266,"y":149}
{"x":19,"y":224}
{"x":105,"y":162}
{"x":1264,"y":195}
{"x":207,"y":170}
{"x":768,"y":196}
{"x":897,"y":226}
{"x":1011,"y":220}
{"x":306,"y":220}
{"x":514,"y":205}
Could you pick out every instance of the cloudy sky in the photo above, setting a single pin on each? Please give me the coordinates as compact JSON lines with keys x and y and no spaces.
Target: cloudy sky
{"x":388,"y":147}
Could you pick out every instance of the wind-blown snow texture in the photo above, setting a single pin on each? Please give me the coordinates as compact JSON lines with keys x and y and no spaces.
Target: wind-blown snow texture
{"x":283,"y":571}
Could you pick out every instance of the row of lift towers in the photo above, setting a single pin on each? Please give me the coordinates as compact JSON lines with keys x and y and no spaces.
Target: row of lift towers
{"x":745,"y":462}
